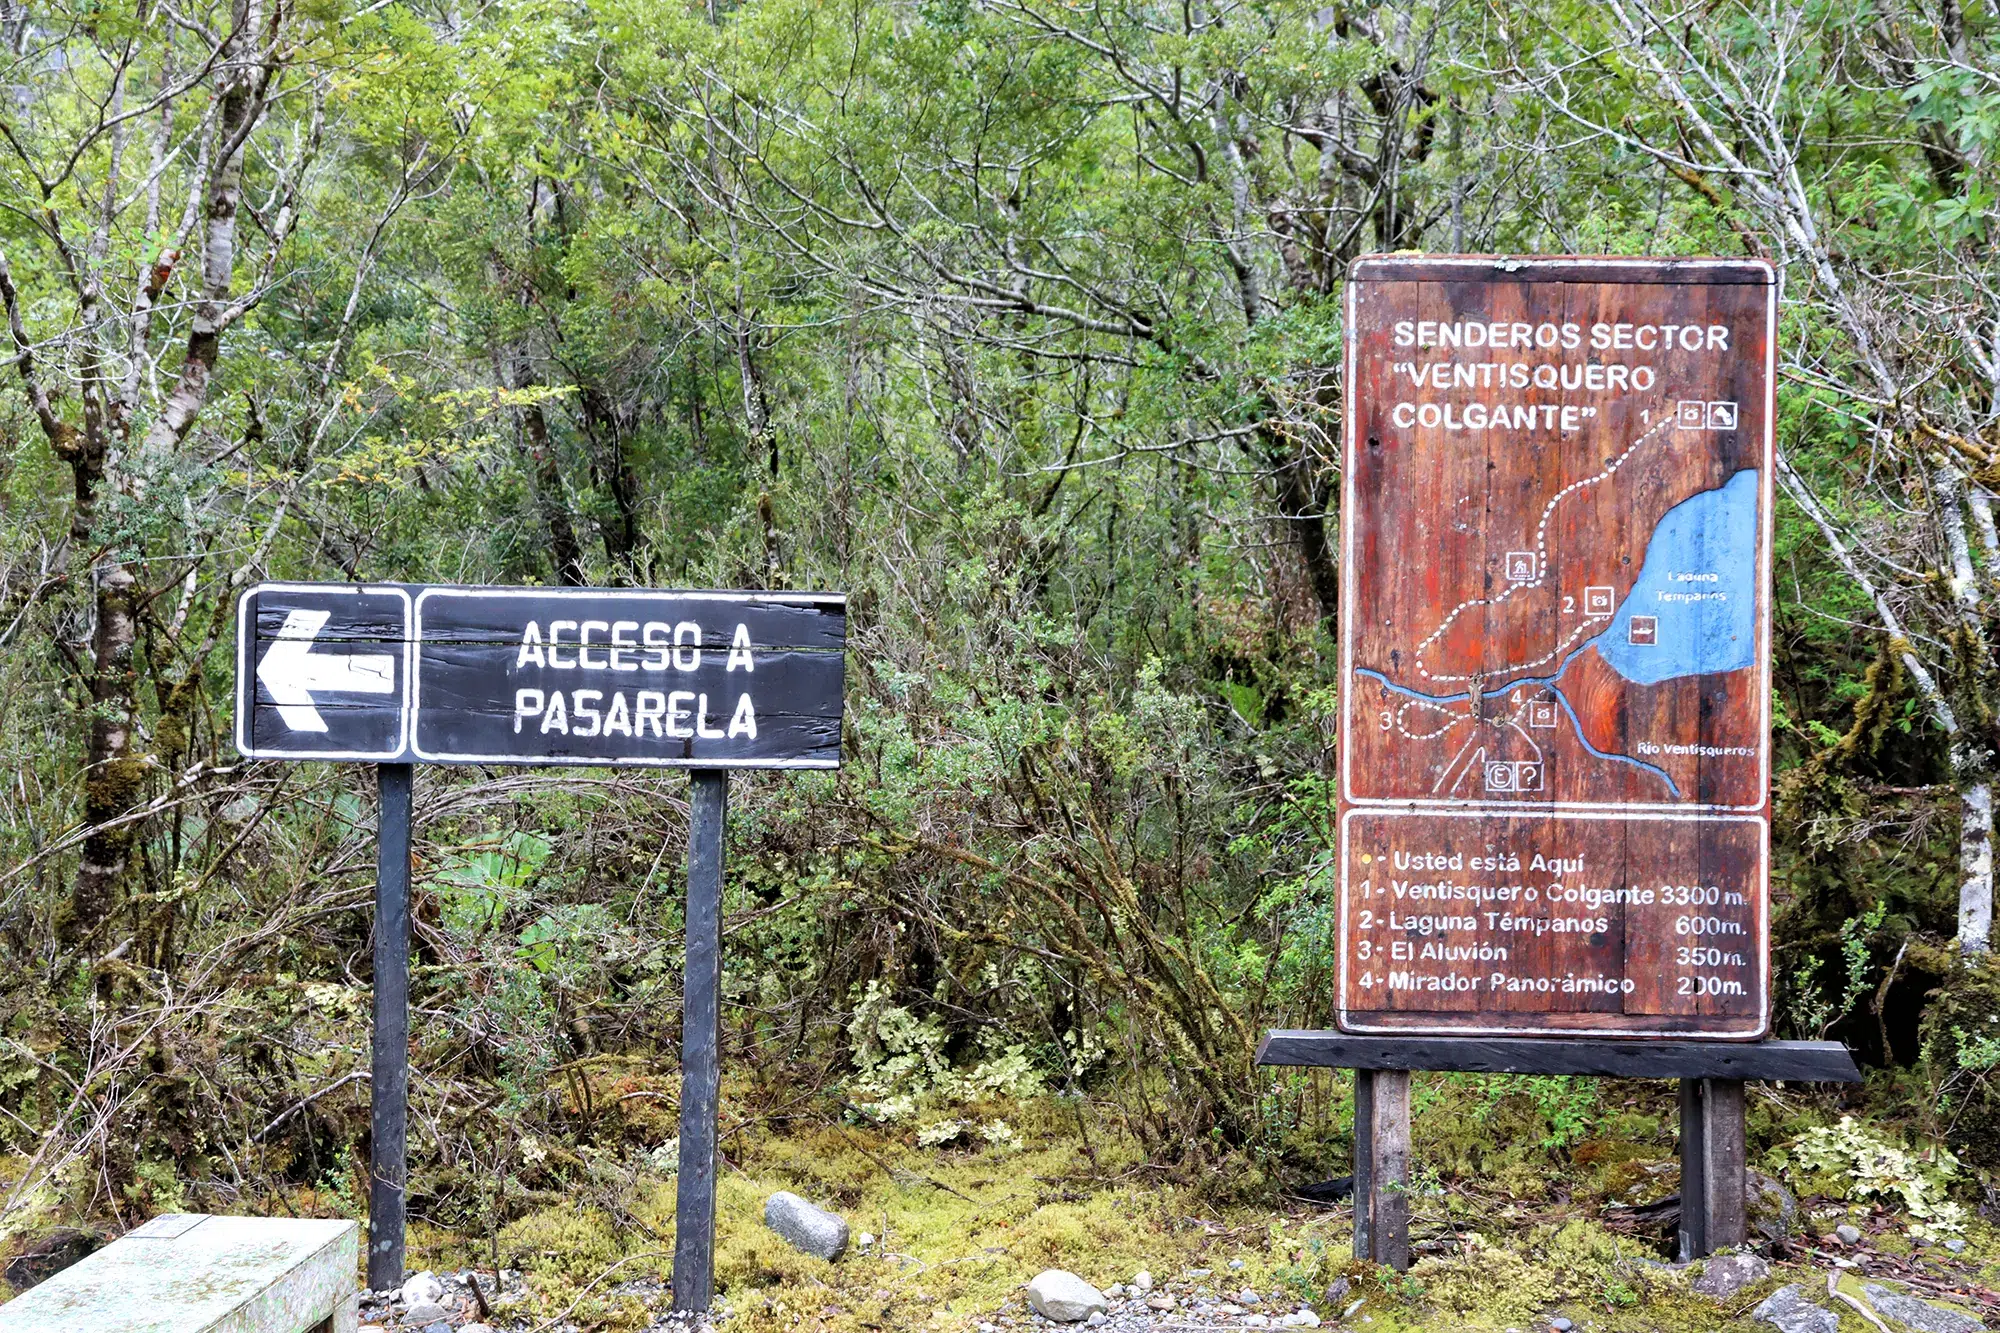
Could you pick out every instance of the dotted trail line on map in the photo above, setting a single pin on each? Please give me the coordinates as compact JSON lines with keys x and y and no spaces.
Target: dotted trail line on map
{"x":1541,"y":569}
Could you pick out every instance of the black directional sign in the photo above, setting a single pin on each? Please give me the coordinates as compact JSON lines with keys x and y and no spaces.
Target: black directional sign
{"x":701,"y":679}
{"x":406,"y":674}
{"x":322,"y":671}
{"x":451,"y":675}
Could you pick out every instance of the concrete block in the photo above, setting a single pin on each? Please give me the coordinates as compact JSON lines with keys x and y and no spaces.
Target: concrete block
{"x":191,"y":1273}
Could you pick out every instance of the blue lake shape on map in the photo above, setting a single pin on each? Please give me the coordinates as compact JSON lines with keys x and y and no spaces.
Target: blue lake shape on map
{"x":1700,"y":580}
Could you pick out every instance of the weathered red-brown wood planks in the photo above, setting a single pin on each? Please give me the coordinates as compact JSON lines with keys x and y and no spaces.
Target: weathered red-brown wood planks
{"x":1555,"y":647}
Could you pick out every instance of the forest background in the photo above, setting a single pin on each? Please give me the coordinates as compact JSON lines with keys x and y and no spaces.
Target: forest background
{"x":1017,"y":320}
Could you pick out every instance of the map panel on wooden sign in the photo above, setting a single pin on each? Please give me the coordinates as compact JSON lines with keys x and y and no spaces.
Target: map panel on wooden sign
{"x":1556,"y":525}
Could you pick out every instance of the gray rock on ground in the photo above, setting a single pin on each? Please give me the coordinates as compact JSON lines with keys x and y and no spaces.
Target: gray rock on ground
{"x":430,"y":1312}
{"x":1064,"y":1297}
{"x":1773,"y":1210}
{"x":1849,"y":1233}
{"x":1727,"y":1274}
{"x":1787,"y":1310}
{"x":1918,"y":1314}
{"x":423,"y":1289}
{"x":813,"y":1230}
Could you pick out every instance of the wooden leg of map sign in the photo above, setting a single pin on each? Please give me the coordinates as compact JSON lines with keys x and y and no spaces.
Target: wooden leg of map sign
{"x":1382,"y":1166}
{"x":1711,"y":1074}
{"x":1713,"y":1169}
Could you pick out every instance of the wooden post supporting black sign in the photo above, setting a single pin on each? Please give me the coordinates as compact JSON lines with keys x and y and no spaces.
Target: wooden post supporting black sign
{"x":390,"y":1059}
{"x":701,"y":1035}
{"x":395,"y":674}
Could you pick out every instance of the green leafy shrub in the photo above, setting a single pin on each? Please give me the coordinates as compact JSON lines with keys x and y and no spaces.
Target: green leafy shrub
{"x":1961,"y":1047}
{"x":1860,"y":1165}
{"x":901,"y":1065}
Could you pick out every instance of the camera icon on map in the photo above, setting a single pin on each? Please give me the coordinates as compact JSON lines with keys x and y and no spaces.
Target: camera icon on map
{"x":1512,"y":775}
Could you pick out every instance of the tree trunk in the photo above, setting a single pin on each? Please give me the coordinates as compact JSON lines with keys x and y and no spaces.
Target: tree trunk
{"x":756,"y":407}
{"x":545,"y":471}
{"x":1975,"y":867}
{"x":624,"y":536}
{"x":115,"y":774}
{"x":1972,"y":762}
{"x":1302,"y":498}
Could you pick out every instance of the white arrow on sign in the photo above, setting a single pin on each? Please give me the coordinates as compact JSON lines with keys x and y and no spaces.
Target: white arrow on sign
{"x":292,"y":671}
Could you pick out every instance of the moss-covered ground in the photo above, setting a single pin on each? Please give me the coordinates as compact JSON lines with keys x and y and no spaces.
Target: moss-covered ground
{"x":1529,"y":1205}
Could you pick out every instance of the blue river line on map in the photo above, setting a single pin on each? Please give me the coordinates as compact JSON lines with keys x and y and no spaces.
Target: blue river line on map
{"x":1698,"y":581}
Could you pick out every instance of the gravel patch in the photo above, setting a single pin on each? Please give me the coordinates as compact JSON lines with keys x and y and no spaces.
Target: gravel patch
{"x":1186,"y":1304}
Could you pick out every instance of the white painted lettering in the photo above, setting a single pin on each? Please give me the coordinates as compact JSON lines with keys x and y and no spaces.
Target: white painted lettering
{"x":555,"y":637}
{"x":583,"y":646}
{"x":744,"y":721}
{"x":739,"y":654}
{"x":586,"y":711}
{"x":527,"y":703}
{"x":677,"y":713}
{"x":531,"y":648}
{"x":557,"y":718}
{"x":618,"y":718}
{"x":621,"y":645}
{"x":687,"y":659}
{"x":657,"y":637}
{"x":652,"y":705}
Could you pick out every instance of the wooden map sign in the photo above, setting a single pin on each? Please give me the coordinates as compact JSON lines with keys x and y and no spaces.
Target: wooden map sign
{"x":1555,"y":637}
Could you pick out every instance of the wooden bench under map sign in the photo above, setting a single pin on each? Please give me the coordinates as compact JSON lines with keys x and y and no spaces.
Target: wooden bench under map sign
{"x":1555,"y":638}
